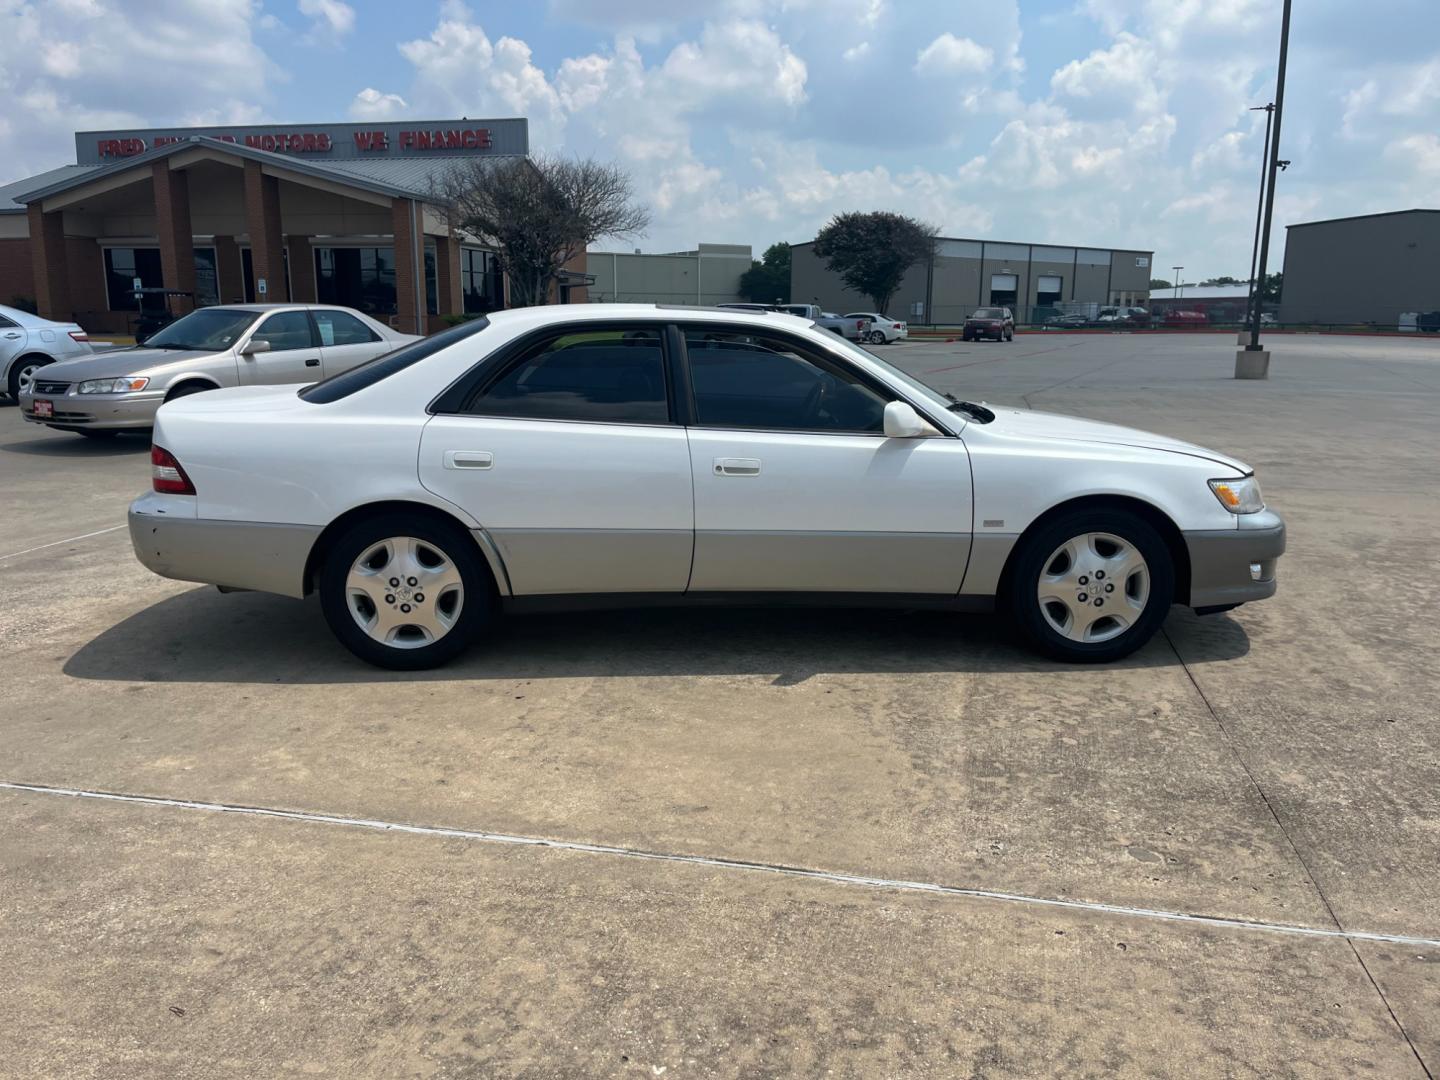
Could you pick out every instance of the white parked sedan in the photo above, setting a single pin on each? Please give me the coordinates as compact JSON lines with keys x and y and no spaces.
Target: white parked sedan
{"x":883,"y":330}
{"x":614,"y":454}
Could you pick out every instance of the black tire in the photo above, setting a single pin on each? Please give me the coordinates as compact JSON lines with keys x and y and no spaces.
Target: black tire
{"x":186,"y":389}
{"x":877,"y":337}
{"x":478,"y":605}
{"x":98,"y":435}
{"x":1025,"y":573}
{"x":12,"y":384}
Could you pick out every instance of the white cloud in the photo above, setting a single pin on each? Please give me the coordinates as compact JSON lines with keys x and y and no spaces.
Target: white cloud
{"x":372,"y":104}
{"x":73,"y":65}
{"x":857,"y":52}
{"x":1419,"y":152}
{"x":334,"y":16}
{"x":951,"y":55}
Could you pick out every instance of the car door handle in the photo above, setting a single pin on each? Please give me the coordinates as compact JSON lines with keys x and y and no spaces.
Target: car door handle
{"x":469,"y":459}
{"x":737,"y":466}
{"x":12,"y":336}
{"x":313,"y":361}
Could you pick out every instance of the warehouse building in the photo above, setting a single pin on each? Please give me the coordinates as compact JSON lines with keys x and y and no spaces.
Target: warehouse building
{"x":706,"y":276}
{"x":330,"y":213}
{"x":1372,"y":269}
{"x":1034,"y":280}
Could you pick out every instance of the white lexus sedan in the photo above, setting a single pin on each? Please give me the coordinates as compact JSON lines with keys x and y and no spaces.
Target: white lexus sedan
{"x":621,"y":454}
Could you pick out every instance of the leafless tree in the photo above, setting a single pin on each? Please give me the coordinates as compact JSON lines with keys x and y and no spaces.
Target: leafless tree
{"x":539,"y":213}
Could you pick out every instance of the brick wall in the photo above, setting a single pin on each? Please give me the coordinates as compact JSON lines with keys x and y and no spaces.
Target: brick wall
{"x":17,"y":274}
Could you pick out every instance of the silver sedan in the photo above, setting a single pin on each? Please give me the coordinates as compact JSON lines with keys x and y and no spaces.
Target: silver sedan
{"x":214,"y":347}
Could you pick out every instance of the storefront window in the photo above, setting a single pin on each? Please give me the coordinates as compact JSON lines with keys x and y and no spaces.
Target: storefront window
{"x":432,"y":282}
{"x":480,"y":281}
{"x":207,"y":280}
{"x":361,"y":278}
{"x":122,"y":267}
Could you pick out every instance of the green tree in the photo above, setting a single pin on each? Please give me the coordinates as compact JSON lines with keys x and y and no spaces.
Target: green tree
{"x":1270,"y":288}
{"x":1224,"y":279}
{"x":768,"y":279}
{"x":1161,"y":283}
{"x":871,"y":252}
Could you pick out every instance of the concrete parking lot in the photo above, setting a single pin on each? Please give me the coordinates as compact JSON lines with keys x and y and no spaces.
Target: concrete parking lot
{"x":1272,"y":773}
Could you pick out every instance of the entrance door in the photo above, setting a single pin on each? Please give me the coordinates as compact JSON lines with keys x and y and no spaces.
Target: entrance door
{"x":798,"y":489}
{"x":572,"y":461}
{"x":293,"y":356}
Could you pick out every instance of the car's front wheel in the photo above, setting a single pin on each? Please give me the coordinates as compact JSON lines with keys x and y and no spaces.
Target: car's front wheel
{"x":1091,"y":586}
{"x":405,"y":592}
{"x":22,"y":375}
{"x":877,"y":337}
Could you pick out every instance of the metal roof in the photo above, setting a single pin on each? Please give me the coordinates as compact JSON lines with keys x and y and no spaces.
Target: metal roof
{"x":1202,"y":292}
{"x":403,"y":177}
{"x":1361,"y":217}
{"x":10,"y":192}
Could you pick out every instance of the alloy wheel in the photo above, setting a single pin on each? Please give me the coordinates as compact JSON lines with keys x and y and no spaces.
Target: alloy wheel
{"x":404,"y":592}
{"x":1093,"y":587}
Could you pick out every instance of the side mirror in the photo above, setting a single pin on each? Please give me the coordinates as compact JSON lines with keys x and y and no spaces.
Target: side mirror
{"x":255,"y":345}
{"x":902,"y":421}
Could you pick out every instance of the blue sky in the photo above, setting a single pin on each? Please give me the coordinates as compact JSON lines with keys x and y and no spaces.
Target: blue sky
{"x":1098,"y":122}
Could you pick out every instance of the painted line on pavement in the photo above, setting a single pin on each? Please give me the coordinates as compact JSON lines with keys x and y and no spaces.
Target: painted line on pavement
{"x":721,"y":863}
{"x":57,"y":543}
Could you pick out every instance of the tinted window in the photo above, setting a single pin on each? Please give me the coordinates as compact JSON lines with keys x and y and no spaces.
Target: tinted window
{"x":286,"y":330}
{"x":382,"y":367}
{"x":7,"y":322}
{"x":341,"y":328}
{"x":616,"y":375}
{"x":989,"y":313}
{"x":763,"y":381}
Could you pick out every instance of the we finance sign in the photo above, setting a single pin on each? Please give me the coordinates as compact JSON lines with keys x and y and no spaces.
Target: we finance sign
{"x":405,"y":138}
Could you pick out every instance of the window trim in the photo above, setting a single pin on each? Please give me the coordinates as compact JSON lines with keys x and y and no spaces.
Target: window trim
{"x":459,"y":397}
{"x":863,"y":377}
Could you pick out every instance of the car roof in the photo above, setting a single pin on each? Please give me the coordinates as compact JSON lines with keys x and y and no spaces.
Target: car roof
{"x":659,"y":312}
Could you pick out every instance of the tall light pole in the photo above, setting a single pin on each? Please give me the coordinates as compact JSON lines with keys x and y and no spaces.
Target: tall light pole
{"x":1179,"y":284}
{"x":1252,"y":299}
{"x":1274,"y":165}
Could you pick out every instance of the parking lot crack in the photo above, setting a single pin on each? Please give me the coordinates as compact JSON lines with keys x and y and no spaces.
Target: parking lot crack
{"x":1294,"y":847}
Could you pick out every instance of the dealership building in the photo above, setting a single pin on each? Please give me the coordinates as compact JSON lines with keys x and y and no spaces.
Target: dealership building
{"x":1033,"y":280}
{"x":1374,"y":268}
{"x":328,"y":213}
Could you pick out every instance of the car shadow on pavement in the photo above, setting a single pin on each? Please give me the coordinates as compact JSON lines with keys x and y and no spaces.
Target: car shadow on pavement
{"x":203,"y":636}
{"x":77,"y":446}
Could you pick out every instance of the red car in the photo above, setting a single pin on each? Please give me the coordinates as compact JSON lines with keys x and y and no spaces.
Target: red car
{"x":991,"y":322}
{"x":1185,"y":318}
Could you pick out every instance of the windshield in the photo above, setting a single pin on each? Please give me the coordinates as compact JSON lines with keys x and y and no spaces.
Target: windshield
{"x":928,"y":394}
{"x":212,"y":329}
{"x":987,"y":313}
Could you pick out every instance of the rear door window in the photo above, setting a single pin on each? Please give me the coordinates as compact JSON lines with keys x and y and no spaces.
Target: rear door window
{"x":610,"y":375}
{"x":342,"y":328}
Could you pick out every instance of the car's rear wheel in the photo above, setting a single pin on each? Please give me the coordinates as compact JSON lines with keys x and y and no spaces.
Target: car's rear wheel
{"x":22,"y":375}
{"x":405,"y":592}
{"x":1092,"y":586}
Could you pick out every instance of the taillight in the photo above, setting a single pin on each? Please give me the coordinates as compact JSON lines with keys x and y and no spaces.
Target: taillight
{"x":166,"y":475}
{"x":79,"y":335}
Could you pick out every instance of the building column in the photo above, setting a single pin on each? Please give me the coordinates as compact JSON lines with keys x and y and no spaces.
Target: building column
{"x":262,"y":222}
{"x":302,"y":269}
{"x":229,"y":270}
{"x":447,"y":276}
{"x":47,"y":255}
{"x":172,"y":227}
{"x":409,"y":293}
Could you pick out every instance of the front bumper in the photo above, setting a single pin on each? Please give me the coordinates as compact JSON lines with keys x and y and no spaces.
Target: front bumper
{"x":98,"y":412}
{"x":1235,"y":566}
{"x":236,"y":554}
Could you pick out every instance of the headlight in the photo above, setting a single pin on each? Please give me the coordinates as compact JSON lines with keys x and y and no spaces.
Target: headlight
{"x":122,"y":385}
{"x":1239,"y":496}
